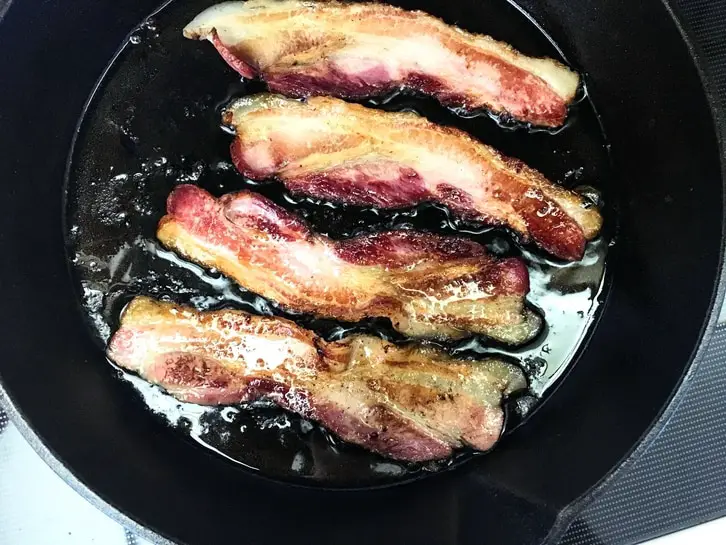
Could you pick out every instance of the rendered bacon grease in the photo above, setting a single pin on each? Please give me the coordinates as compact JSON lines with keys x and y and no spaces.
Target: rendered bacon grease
{"x":412,"y":402}
{"x":348,"y":50}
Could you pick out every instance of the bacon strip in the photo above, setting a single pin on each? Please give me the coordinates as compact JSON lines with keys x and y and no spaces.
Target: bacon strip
{"x":343,"y":152}
{"x":303,"y":48}
{"x":407,"y":402}
{"x":429,"y":286}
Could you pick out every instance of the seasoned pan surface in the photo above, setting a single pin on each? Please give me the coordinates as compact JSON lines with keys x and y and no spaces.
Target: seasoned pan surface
{"x":154,"y":123}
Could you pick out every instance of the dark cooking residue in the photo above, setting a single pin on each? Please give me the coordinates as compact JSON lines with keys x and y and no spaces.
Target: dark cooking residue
{"x":154,"y":123}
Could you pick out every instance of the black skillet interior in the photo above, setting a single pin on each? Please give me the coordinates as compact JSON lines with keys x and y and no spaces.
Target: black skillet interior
{"x":666,"y":158}
{"x":133,"y":148}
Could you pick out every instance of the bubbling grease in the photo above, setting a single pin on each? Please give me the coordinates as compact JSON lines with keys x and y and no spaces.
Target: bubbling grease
{"x":154,"y":123}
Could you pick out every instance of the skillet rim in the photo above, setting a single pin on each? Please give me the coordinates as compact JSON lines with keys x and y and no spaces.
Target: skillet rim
{"x":567,"y":515}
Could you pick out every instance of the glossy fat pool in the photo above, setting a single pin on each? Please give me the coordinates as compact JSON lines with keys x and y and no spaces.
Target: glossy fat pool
{"x":154,"y":123}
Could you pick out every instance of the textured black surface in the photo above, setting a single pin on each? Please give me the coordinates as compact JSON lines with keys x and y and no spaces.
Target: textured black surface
{"x":681,"y":479}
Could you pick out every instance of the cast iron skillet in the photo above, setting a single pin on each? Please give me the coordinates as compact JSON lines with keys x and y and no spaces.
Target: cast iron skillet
{"x":665,"y":269}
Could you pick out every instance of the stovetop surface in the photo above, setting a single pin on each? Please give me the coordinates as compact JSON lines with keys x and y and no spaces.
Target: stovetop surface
{"x":681,"y":479}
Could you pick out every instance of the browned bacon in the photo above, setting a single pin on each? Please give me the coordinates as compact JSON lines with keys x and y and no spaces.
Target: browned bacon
{"x":333,"y":150}
{"x":428,"y":285}
{"x":407,"y":402}
{"x":303,"y":48}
